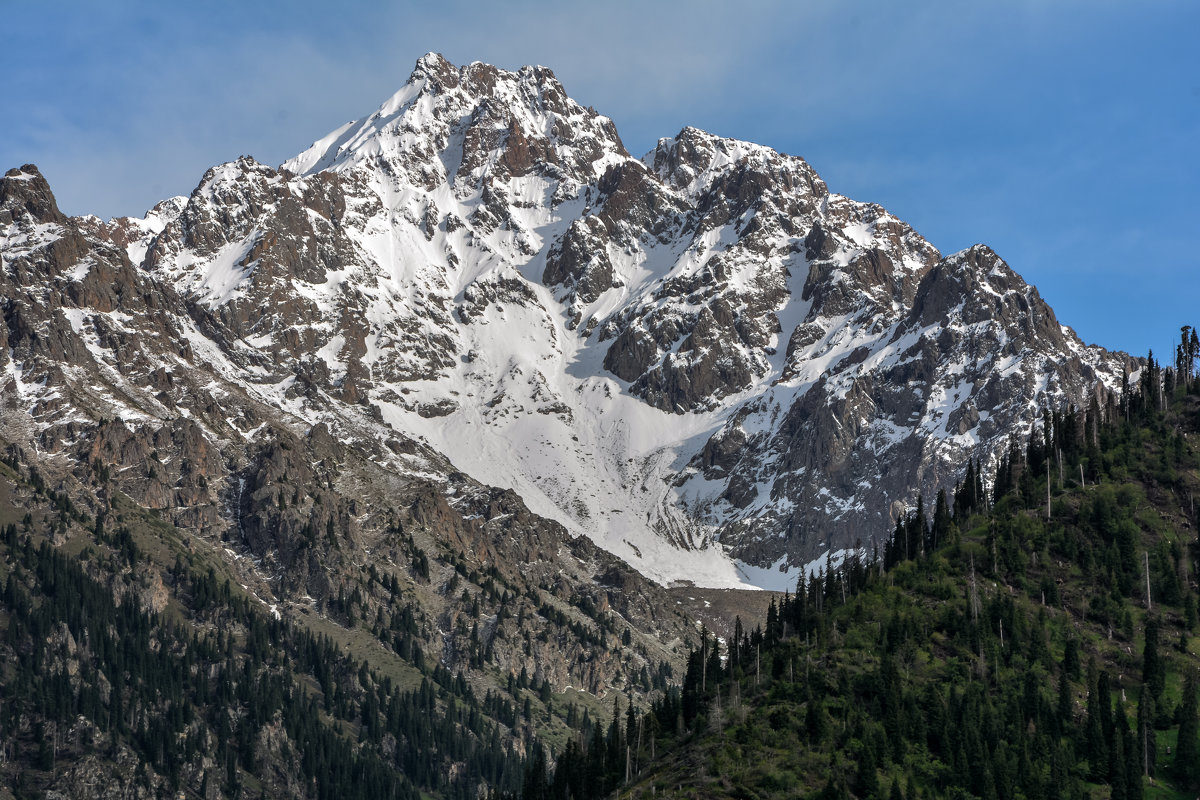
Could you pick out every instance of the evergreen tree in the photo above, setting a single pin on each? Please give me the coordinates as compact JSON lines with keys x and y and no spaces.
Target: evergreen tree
{"x":916,"y":531}
{"x":1133,"y":765}
{"x":1153,"y":670}
{"x":940,"y":532}
{"x":1147,"y":748}
{"x":867,"y":781}
{"x":1065,"y":705}
{"x":1094,"y":741}
{"x":1118,"y":773}
{"x":815,"y":722}
{"x":1187,"y":750}
{"x":1070,"y":662}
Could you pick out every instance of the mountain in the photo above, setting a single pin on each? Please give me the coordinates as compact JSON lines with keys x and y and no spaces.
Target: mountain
{"x":432,"y":416}
{"x":702,"y":360}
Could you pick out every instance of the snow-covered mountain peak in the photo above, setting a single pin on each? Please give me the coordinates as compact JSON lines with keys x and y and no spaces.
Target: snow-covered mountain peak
{"x":694,"y":160}
{"x":434,"y":71}
{"x":705,"y":345}
{"x":469,"y":124}
{"x":25,"y":194}
{"x":976,"y":287}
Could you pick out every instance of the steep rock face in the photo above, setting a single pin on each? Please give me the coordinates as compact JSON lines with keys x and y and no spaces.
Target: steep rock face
{"x":75,"y":310}
{"x":700,"y":354}
{"x":952,"y":378}
{"x":118,"y":388}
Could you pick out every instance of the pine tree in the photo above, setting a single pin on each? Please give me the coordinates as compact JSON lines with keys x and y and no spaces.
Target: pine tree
{"x":815,"y":722}
{"x":1094,"y":742}
{"x":535,"y":785}
{"x":916,"y":531}
{"x":1133,"y":765}
{"x":1193,"y":350}
{"x":1153,"y":669}
{"x":1070,"y":662}
{"x":940,"y":533}
{"x":1187,"y":751}
{"x":1107,"y":723}
{"x":867,"y":781}
{"x":1146,"y":738}
{"x":1065,"y":705}
{"x":1117,"y":778}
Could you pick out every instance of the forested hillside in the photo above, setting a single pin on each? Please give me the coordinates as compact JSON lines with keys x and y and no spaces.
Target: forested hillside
{"x":210,"y":693}
{"x":1032,"y":637}
{"x":134,"y":664}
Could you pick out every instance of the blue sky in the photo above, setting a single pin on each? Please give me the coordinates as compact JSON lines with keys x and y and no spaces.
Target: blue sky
{"x":1064,"y":134}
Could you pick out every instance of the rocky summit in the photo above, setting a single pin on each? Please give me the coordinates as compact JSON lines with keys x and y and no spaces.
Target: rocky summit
{"x":476,"y":305}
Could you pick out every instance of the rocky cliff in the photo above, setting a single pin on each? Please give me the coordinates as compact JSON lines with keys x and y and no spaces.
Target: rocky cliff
{"x":702,"y":360}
